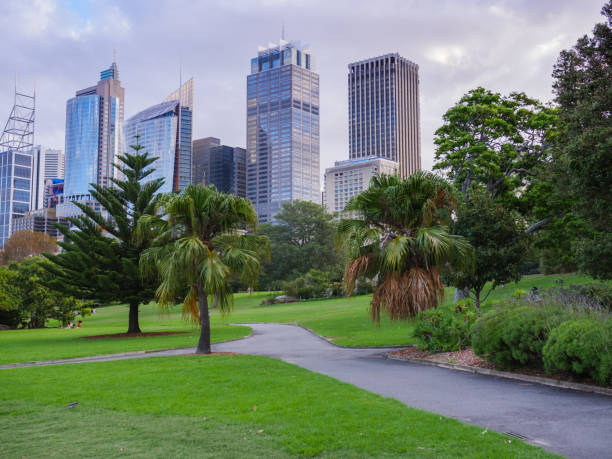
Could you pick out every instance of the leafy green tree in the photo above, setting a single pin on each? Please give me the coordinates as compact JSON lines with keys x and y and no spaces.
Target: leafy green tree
{"x":198,"y":244}
{"x":499,"y":245}
{"x":26,"y":300}
{"x":301,"y":240}
{"x":497,"y":143}
{"x":402,"y":238}
{"x":582,"y":87}
{"x":101,"y":255}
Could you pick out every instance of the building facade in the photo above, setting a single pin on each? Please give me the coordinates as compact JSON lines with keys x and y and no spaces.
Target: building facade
{"x":349,"y":178}
{"x":201,"y":158}
{"x":227,"y":166}
{"x":40,"y":221}
{"x":384,"y":112}
{"x":282,"y":128}
{"x":16,"y":176}
{"x":49,"y":166}
{"x":164,"y":131}
{"x":93,"y":133}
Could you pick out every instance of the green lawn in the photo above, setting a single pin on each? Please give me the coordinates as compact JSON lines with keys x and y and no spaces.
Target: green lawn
{"x":220,"y":406}
{"x":344,"y":320}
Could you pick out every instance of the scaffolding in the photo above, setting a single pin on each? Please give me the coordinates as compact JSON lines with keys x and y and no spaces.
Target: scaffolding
{"x":18,"y":134}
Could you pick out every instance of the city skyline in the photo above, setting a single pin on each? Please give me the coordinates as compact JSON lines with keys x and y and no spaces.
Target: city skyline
{"x":503,"y":46}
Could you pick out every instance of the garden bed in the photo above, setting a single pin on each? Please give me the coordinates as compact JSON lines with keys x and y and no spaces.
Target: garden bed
{"x":467,"y":358}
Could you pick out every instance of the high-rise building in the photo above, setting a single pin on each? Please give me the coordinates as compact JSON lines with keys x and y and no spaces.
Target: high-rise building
{"x":384,"y":120}
{"x":49,"y":165}
{"x":349,"y":178}
{"x":93,"y":134}
{"x":164,"y":132}
{"x":201,"y":158}
{"x":282,"y":128}
{"x":16,"y":176}
{"x":40,"y":221}
{"x":16,"y":163}
{"x":227,"y":166}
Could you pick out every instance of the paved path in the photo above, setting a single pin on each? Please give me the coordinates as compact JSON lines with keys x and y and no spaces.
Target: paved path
{"x":571,"y":423}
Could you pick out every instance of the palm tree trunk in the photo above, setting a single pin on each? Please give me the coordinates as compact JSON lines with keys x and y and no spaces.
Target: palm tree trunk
{"x":133,"y":326}
{"x":204,"y":343}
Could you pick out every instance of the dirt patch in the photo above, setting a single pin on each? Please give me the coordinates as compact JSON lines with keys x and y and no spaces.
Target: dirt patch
{"x":464,"y":357}
{"x":133,"y":335}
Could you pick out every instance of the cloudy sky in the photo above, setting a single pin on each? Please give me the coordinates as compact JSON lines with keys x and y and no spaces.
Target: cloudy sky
{"x":60,"y":46}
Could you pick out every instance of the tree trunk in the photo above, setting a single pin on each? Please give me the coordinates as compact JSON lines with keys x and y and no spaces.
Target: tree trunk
{"x":204,"y":343}
{"x":461,"y":294}
{"x":133,"y":326}
{"x":216,"y":302}
{"x":477,"y":297}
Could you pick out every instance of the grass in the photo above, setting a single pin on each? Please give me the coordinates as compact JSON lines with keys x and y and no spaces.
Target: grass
{"x":220,"y":406}
{"x":344,"y":320}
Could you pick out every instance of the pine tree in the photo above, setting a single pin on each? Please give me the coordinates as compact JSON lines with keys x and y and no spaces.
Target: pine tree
{"x":101,"y":254}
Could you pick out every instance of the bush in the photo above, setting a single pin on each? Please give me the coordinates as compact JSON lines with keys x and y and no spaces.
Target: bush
{"x":314,"y":284}
{"x":582,"y":347}
{"x":599,"y":292}
{"x":513,"y":337}
{"x":443,"y":330}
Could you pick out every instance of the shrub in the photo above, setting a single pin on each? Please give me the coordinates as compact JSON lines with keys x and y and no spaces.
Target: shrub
{"x":582,"y":347}
{"x":443,"y":330}
{"x":513,"y":337}
{"x":599,"y":292}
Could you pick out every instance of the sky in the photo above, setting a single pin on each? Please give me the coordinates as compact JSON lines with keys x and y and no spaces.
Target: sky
{"x":60,"y":46}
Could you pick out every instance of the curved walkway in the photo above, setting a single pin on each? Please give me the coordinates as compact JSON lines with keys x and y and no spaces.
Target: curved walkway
{"x":574,"y":424}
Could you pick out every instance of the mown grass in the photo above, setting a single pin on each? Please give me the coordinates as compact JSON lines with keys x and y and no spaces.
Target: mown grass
{"x":345,"y":320}
{"x":220,"y":406}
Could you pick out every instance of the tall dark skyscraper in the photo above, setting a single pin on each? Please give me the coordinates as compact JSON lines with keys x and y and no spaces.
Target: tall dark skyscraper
{"x":201,"y":158}
{"x":384,"y":119}
{"x":282,"y":128}
{"x":227,"y":169}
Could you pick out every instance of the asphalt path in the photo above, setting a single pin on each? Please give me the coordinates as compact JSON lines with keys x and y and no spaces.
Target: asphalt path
{"x":574,"y":424}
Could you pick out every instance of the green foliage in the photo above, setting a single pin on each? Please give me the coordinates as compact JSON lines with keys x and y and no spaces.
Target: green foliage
{"x":314,"y":284}
{"x":104,"y":269}
{"x":197,"y":246}
{"x":26,"y":302}
{"x":496,"y":143}
{"x":499,"y":246}
{"x":443,"y":330}
{"x":301,"y":240}
{"x":582,"y":78}
{"x":582,"y":347}
{"x":514,"y":337}
{"x":401,"y":236}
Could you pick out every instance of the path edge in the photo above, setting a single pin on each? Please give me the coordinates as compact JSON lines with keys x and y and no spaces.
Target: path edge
{"x":508,"y":375}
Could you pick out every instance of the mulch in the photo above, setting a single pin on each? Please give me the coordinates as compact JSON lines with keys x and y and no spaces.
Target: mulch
{"x":468,"y":358}
{"x":133,"y":335}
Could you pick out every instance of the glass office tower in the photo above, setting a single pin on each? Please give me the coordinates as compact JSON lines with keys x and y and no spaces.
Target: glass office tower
{"x":165,"y":133}
{"x":384,"y":119}
{"x":15,"y":188}
{"x":282,"y":128}
{"x":93,"y":134}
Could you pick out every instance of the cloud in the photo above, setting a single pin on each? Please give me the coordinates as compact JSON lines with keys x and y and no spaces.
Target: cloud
{"x":62,"y":45}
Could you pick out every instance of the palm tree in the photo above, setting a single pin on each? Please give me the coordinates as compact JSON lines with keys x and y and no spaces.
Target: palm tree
{"x":401,"y":237}
{"x":199,"y":242}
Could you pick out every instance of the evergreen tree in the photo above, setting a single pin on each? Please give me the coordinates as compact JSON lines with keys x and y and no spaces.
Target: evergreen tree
{"x":583,"y":90}
{"x":101,"y":255}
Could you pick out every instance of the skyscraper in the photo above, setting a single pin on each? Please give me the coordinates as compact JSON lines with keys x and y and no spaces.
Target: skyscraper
{"x":16,"y":163}
{"x":93,"y":134}
{"x":164,"y":131}
{"x":49,"y":165}
{"x":227,"y":169}
{"x":201,"y":158}
{"x":384,"y":120}
{"x":282,"y":128}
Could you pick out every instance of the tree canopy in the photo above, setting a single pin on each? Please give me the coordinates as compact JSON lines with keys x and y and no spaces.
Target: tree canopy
{"x":583,"y":90}
{"x":401,"y":238}
{"x":101,"y":254}
{"x":26,"y":243}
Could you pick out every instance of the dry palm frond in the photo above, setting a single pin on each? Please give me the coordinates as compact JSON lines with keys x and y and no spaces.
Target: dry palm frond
{"x":404,"y":295}
{"x":354,"y":269}
{"x":190,"y":306}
